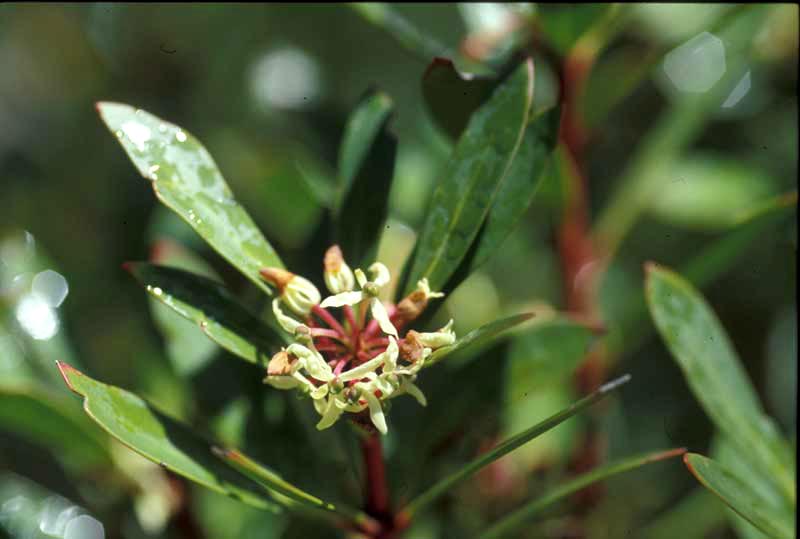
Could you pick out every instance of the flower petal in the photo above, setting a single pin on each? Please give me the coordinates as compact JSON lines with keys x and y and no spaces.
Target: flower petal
{"x":380,"y":274}
{"x":281,"y":382}
{"x":411,"y":388}
{"x":444,"y":337}
{"x":392,"y":352}
{"x":376,"y":412}
{"x":320,"y":393}
{"x":312,"y":362}
{"x":361,"y":279}
{"x":369,"y":367}
{"x":331,"y":414}
{"x":345,"y":298}
{"x":379,"y":313}
{"x":288,"y":323}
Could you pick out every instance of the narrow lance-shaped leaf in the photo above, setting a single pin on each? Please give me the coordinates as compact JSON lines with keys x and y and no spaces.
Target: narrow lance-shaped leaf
{"x":516,"y":193}
{"x":514,"y":521}
{"x":212,"y":306}
{"x":740,"y":497}
{"x":730,"y":457}
{"x":185,"y":178}
{"x":384,"y":16}
{"x":714,"y":373}
{"x":160,"y":438}
{"x":442,"y":487}
{"x":293,"y":495}
{"x":477,"y":337}
{"x":366,"y":168}
{"x":187,"y":353}
{"x":480,"y":164}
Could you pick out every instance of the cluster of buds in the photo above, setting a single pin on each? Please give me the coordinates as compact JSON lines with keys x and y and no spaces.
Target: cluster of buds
{"x":358,"y":361}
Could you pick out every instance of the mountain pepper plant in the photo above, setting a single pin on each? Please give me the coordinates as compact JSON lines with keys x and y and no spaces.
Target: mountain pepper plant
{"x":349,"y":353}
{"x":329,"y":381}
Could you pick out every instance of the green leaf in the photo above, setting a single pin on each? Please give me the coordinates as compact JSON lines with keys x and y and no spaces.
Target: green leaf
{"x":442,"y":487}
{"x":451,"y":97}
{"x":185,"y":178}
{"x":715,"y":375}
{"x":514,"y":521}
{"x":160,"y":438}
{"x":477,"y":337}
{"x":186,"y":352}
{"x":516,"y":193}
{"x":739,"y":496}
{"x":291,"y":495}
{"x":44,"y":417}
{"x":705,"y":191}
{"x":564,"y":24}
{"x":366,"y":168}
{"x":480,"y":164}
{"x":730,"y":456}
{"x":213,"y":307}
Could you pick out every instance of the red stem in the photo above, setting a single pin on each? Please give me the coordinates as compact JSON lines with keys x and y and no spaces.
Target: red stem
{"x":377,"y":489}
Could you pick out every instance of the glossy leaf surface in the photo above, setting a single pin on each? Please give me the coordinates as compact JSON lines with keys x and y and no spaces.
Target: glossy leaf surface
{"x":479,"y":166}
{"x":209,"y":304}
{"x":160,"y":438}
{"x":185,"y":178}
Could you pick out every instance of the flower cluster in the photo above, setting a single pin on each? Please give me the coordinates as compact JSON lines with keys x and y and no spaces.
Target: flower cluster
{"x":358,"y":361}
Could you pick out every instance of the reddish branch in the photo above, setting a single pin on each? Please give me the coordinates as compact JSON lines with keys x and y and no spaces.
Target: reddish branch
{"x":580,"y":259}
{"x":377,"y":489}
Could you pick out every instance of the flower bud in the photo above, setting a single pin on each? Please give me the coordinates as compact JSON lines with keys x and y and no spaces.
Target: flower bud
{"x":338,"y":275}
{"x":298,"y":293}
{"x":443,"y":337}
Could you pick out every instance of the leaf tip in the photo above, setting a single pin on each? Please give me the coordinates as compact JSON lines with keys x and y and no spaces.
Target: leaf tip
{"x":67,"y":371}
{"x":614,"y":384}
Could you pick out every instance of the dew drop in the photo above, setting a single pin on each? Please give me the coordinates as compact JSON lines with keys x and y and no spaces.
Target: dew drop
{"x":151,"y":172}
{"x":162,"y":128}
{"x":180,"y":136}
{"x":157,"y":291}
{"x":137,"y":133}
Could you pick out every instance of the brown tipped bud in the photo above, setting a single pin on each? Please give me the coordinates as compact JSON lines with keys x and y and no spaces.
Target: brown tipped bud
{"x":411,"y":306}
{"x":277,"y":277}
{"x":411,"y":348}
{"x":333,"y":259}
{"x":281,"y":364}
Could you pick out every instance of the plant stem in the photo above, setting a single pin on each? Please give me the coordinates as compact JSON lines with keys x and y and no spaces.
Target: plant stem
{"x":377,"y":489}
